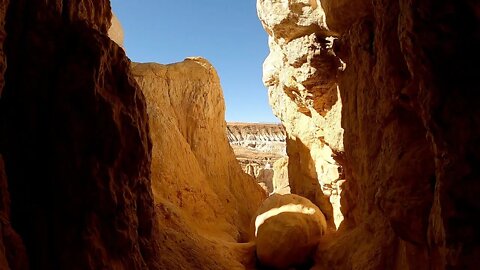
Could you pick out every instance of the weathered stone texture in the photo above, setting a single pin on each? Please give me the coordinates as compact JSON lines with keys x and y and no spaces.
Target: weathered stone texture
{"x":300,"y":73}
{"x":410,"y":120}
{"x":205,"y":200}
{"x":287,"y":231}
{"x":75,"y":140}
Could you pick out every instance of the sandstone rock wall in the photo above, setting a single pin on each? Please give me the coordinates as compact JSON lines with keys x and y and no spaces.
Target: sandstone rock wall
{"x":280,"y":181}
{"x":75,"y":140}
{"x":388,"y":162}
{"x":300,"y":73}
{"x":79,"y":160}
{"x":409,"y":119}
{"x":407,"y":70}
{"x":204,"y":199}
{"x":115,"y":32}
{"x":12,"y":250}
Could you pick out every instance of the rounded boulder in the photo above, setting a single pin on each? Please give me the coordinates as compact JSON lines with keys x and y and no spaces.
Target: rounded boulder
{"x":287,"y":231}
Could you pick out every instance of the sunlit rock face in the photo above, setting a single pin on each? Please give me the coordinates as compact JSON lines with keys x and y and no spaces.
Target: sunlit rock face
{"x":257,"y":147}
{"x":75,"y":140}
{"x":115,"y":32}
{"x":410,"y":123}
{"x":287,"y":229}
{"x":204,"y":200}
{"x":301,"y":73}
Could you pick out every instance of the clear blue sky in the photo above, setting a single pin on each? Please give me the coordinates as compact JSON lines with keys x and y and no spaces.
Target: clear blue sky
{"x":226,"y":32}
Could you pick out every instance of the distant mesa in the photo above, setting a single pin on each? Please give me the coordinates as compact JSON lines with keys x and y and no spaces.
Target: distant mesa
{"x":258,"y":146}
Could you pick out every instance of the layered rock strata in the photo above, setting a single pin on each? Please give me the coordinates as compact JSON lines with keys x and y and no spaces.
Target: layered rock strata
{"x":257,"y":147}
{"x":204,"y":199}
{"x":409,"y":120}
{"x":261,"y":137}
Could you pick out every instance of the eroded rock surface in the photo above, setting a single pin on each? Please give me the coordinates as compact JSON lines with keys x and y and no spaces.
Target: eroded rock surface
{"x":204,"y":199}
{"x":288,"y":229}
{"x":76,"y":143}
{"x":300,"y":73}
{"x":409,"y":118}
{"x":280,"y":177}
{"x":405,"y":114}
{"x":74,"y":137}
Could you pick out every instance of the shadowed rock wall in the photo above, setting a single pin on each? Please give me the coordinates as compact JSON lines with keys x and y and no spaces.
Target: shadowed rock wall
{"x":12,"y":250}
{"x":75,"y":140}
{"x":410,"y":124}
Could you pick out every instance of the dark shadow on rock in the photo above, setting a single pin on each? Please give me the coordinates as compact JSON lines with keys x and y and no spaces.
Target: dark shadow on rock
{"x":303,"y":177}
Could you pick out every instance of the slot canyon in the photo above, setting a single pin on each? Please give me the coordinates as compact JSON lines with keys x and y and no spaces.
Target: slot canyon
{"x":107,"y":163}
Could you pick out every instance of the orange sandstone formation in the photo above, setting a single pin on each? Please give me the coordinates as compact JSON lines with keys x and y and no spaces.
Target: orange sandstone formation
{"x":408,"y":157}
{"x":204,"y":199}
{"x":287,"y":229}
{"x":300,"y":73}
{"x":378,"y":103}
{"x":78,"y":155}
{"x":75,"y":140}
